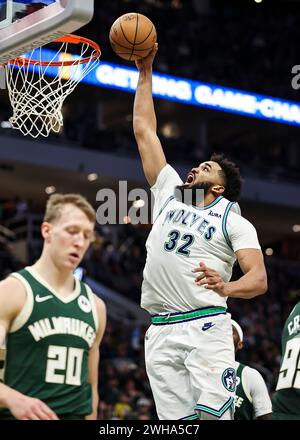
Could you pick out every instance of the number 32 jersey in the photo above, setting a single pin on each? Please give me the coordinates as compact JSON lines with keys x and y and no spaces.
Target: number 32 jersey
{"x":182,"y":236}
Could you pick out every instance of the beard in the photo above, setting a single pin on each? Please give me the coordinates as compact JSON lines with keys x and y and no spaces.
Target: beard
{"x":192,"y":195}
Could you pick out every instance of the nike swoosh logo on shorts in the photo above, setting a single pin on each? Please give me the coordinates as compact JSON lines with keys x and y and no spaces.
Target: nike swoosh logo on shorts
{"x":207,"y":326}
{"x":41,"y":299}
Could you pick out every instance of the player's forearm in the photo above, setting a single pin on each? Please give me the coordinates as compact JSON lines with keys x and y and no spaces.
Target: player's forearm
{"x":95,"y":403}
{"x":144,"y":117}
{"x":144,"y":124}
{"x":92,"y":416}
{"x":8,"y":395}
{"x":252,"y":284}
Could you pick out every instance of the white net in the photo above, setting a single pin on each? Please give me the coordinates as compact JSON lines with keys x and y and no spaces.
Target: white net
{"x":37,"y":92}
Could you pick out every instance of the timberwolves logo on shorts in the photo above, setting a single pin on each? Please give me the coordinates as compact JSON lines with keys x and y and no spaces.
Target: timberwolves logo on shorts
{"x":229,"y":379}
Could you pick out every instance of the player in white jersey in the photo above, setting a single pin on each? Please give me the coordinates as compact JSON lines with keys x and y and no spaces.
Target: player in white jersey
{"x":252,"y":400}
{"x":190,"y":253}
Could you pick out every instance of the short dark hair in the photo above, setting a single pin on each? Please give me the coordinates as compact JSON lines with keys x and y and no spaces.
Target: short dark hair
{"x":231,"y":175}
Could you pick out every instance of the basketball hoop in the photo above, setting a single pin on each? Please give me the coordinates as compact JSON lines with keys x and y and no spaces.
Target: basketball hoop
{"x":38,"y":87}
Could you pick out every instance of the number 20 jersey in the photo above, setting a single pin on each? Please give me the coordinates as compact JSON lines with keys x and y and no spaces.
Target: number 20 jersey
{"x":49,"y":343}
{"x":182,"y":236}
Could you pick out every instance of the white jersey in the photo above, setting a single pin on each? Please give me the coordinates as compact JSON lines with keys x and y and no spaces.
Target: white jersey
{"x":181,"y":237}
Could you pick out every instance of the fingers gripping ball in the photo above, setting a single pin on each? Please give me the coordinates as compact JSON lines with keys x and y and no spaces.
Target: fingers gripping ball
{"x":132,"y":36}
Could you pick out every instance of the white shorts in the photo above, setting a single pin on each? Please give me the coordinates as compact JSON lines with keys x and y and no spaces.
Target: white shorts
{"x":191,"y":365}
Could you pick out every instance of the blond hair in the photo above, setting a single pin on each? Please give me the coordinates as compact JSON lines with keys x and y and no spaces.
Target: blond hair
{"x":56,"y":202}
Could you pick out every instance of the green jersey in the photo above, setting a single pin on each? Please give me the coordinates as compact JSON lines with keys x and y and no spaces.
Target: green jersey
{"x":243,"y":404}
{"x":286,"y":400}
{"x":48,"y":346}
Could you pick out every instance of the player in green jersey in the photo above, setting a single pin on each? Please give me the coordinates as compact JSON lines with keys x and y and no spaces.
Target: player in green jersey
{"x":52,"y":323}
{"x":286,"y":400}
{"x":252,"y":399}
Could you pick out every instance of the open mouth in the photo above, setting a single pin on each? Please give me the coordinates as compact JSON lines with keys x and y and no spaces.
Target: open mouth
{"x":74,"y":256}
{"x":190,"y":178}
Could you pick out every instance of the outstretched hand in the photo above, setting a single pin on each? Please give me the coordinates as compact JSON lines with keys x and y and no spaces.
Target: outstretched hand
{"x":28,"y":408}
{"x":146,"y":63}
{"x":210,"y":279}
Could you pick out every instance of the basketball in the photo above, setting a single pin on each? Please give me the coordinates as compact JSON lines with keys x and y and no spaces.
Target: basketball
{"x":132,"y":36}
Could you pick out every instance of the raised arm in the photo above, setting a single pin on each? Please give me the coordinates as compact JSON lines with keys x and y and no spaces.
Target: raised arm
{"x":144,"y":121}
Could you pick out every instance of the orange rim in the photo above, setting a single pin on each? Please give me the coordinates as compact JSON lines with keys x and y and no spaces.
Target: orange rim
{"x":75,"y":39}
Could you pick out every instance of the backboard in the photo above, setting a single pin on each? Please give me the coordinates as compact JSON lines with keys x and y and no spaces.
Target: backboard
{"x":26,"y":24}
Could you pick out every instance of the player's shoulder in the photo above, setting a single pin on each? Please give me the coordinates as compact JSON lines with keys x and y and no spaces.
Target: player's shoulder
{"x":166,"y":174}
{"x":295,"y":310}
{"x":167,"y":169}
{"x":99,"y":303}
{"x":235,"y":208}
{"x":292,"y":324}
{"x":12,"y":295}
{"x":236,"y":219}
{"x":13,"y":285}
{"x":252,"y":373}
{"x":102,"y":315}
{"x":293,"y":314}
{"x":247,"y":368}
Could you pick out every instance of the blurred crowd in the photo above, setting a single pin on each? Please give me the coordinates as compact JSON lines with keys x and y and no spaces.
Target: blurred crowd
{"x":275,"y":161}
{"x":123,"y":384}
{"x":117,"y":258}
{"x":245,"y":46}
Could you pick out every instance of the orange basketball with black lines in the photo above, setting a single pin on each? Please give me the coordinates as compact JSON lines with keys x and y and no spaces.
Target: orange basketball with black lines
{"x":132,"y":36}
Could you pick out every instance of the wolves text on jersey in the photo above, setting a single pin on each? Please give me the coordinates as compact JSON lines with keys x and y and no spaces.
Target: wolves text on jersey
{"x":192,"y":220}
